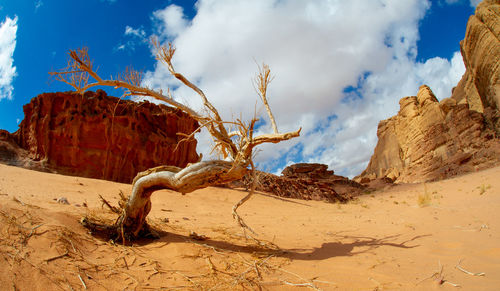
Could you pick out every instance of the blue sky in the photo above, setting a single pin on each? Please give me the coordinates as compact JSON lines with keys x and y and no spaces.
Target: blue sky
{"x":339,"y":67}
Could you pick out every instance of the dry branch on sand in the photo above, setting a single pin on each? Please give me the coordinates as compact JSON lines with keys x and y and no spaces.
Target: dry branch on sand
{"x":439,"y":277}
{"x":234,"y":140}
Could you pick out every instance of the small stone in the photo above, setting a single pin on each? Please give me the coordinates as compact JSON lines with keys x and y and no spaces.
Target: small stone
{"x":196,"y":236}
{"x":62,"y":200}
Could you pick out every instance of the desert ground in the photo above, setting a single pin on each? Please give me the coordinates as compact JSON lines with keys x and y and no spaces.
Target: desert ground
{"x":405,"y":237}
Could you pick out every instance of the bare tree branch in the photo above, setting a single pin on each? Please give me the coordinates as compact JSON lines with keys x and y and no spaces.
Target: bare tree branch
{"x":263,"y":79}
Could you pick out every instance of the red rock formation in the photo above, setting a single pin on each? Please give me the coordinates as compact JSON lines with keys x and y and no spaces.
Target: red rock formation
{"x":307,"y":182}
{"x":99,"y":136}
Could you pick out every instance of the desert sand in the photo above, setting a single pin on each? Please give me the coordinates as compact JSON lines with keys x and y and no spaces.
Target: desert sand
{"x":406,"y":237}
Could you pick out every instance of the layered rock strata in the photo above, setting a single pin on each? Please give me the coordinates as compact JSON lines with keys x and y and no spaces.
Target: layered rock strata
{"x":480,"y":85}
{"x":99,"y":136}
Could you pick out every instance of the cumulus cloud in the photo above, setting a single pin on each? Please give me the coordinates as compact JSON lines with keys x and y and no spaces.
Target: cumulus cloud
{"x":340,"y":67}
{"x":171,"y":21}
{"x":8,"y":30}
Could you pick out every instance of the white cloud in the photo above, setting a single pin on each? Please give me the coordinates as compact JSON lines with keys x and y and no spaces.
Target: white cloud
{"x":8,"y":30}
{"x":133,"y":37}
{"x":173,"y":21}
{"x":474,"y":3}
{"x":315,"y":49}
{"x":137,"y":32}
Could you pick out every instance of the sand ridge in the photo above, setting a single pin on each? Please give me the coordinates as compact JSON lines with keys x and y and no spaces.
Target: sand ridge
{"x":398,"y":238}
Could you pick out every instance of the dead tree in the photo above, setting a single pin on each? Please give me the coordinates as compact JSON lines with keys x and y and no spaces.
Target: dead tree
{"x":234,"y":140}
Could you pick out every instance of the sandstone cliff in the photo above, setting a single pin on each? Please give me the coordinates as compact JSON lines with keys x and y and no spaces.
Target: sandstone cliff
{"x":429,"y":140}
{"x":98,"y":136}
{"x":480,"y":85}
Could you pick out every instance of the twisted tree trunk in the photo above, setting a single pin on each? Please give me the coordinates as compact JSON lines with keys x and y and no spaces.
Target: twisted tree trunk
{"x":195,"y":176}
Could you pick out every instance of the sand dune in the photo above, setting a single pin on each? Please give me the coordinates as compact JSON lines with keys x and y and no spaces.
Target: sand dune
{"x":384,"y":240}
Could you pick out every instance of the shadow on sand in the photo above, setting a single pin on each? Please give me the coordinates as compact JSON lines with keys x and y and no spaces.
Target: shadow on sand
{"x":344,"y":245}
{"x":341,"y":244}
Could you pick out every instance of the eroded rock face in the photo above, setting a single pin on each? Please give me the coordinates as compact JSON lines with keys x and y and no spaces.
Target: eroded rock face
{"x":307,"y":182}
{"x":480,"y":85}
{"x":99,"y":136}
{"x":429,"y":140}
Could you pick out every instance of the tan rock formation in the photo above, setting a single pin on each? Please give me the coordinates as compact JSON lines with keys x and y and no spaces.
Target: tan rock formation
{"x":99,"y":136}
{"x":480,"y":85}
{"x":430,"y":140}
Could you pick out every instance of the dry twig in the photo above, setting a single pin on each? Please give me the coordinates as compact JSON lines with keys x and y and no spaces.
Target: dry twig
{"x":56,"y":257}
{"x":83,"y":282}
{"x":467,"y":272}
{"x":111,"y":207}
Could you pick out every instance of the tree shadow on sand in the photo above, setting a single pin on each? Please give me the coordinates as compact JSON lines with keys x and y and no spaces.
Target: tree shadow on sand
{"x":355,"y":245}
{"x":344,"y":245}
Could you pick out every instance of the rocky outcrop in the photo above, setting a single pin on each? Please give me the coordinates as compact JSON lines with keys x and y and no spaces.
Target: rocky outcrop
{"x":11,"y":153}
{"x":99,"y":136}
{"x":430,"y":140}
{"x":480,"y":85}
{"x":307,"y":171}
{"x":307,"y":182}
